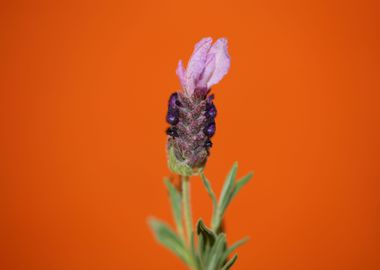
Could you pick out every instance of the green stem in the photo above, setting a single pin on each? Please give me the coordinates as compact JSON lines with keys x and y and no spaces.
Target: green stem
{"x":181,"y":234}
{"x":188,"y":218}
{"x":187,"y":207}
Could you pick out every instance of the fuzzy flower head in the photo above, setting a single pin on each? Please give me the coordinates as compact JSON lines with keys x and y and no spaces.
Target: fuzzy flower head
{"x":191,"y":111}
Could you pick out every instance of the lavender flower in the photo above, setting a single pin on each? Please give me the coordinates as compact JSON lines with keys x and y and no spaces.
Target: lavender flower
{"x":191,"y":115}
{"x":191,"y":111}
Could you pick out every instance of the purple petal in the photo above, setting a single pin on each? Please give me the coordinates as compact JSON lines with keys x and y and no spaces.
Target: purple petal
{"x":210,"y":130}
{"x":181,"y":73}
{"x":207,"y":72}
{"x":222,"y":61}
{"x":173,"y":101}
{"x":196,"y":64}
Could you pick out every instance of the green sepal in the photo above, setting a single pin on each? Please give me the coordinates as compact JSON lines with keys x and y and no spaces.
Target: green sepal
{"x":179,"y":167}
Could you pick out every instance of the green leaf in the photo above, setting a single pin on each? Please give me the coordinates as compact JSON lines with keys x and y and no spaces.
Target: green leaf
{"x":202,"y":249}
{"x":225,"y":196}
{"x":210,"y":192}
{"x":165,"y":235}
{"x":228,"y":185}
{"x":208,"y":235}
{"x":176,"y":203}
{"x":229,"y":264}
{"x":240,"y":183}
{"x":201,"y":244}
{"x":234,"y":246}
{"x":206,"y":239}
{"x":206,"y":254}
{"x":194,"y":253}
{"x":216,"y":252}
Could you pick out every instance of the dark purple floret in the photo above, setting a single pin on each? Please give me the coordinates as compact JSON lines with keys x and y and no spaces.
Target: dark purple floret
{"x":178,"y":103}
{"x":210,"y":110}
{"x":210,"y":98}
{"x":172,"y":117}
{"x":210,"y":129}
{"x":173,"y":100}
{"x":208,"y":143}
{"x":172,"y":131}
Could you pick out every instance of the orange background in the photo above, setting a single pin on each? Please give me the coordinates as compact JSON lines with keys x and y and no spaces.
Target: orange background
{"x":84,"y":89}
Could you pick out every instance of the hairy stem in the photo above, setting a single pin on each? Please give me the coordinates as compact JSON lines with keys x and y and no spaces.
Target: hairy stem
{"x":187,"y":207}
{"x":188,"y":217}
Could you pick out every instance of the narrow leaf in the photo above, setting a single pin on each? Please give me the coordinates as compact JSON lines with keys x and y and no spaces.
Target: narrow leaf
{"x":165,"y":235}
{"x":208,"y":235}
{"x":206,"y":254}
{"x":234,"y":246}
{"x":228,"y":184}
{"x":201,"y":250}
{"x":201,"y":244}
{"x":210,"y":192}
{"x":175,"y":201}
{"x":206,"y":239}
{"x":229,"y":264}
{"x":225,"y":196}
{"x":194,"y":253}
{"x":240,"y":183}
{"x":216,"y":252}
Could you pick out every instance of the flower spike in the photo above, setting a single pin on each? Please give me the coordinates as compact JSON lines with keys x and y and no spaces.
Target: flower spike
{"x":191,"y":111}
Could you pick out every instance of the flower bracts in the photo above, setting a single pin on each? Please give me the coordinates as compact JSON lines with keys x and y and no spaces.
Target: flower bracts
{"x":192,"y":126}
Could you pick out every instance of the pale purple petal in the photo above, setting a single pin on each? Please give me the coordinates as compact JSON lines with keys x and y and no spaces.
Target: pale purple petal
{"x":207,"y":72}
{"x":222,"y":61}
{"x":181,"y":74}
{"x":196,"y":64}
